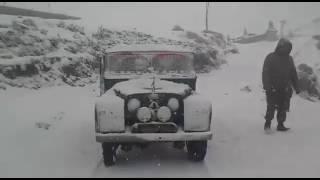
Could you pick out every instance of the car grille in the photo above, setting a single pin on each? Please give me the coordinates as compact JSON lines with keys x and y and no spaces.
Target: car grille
{"x":154,"y":128}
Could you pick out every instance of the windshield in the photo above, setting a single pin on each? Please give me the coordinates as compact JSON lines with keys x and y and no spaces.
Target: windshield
{"x":150,"y":62}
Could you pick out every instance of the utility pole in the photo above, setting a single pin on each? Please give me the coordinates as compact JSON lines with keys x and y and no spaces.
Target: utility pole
{"x":207,"y":9}
{"x":49,"y":7}
{"x":282,"y":23}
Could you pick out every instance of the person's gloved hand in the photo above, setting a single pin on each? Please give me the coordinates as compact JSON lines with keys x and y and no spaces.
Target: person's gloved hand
{"x":270,"y":90}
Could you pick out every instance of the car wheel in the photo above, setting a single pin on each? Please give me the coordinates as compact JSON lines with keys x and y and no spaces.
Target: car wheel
{"x":109,"y":153}
{"x":197,"y":150}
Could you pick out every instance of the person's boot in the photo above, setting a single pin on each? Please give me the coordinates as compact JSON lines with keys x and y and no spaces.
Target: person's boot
{"x":267,"y":125}
{"x":281,"y":127}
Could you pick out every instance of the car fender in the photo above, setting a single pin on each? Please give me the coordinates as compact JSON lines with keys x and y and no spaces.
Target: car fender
{"x":197,"y":113}
{"x":109,"y":112}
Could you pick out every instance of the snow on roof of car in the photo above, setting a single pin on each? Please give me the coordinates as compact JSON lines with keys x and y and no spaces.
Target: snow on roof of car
{"x":147,"y":47}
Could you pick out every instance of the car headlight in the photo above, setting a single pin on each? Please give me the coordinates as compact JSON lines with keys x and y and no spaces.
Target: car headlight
{"x":133,"y":104}
{"x":173,"y":104}
{"x":144,"y":114}
{"x":164,"y":114}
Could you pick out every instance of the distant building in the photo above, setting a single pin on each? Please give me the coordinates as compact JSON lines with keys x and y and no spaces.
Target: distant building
{"x":32,"y":13}
{"x":271,"y":34}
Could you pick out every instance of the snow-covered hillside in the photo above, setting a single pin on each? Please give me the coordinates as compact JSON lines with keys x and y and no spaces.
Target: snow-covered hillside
{"x":37,"y":52}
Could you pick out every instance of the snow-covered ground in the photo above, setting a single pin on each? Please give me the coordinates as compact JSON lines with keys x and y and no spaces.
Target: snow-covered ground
{"x":239,"y":147}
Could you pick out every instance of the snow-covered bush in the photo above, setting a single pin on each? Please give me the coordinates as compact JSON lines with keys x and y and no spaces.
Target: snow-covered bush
{"x":54,"y":42}
{"x":72,"y":48}
{"x":10,"y":38}
{"x":6,"y":56}
{"x":31,"y":51}
{"x":61,"y":24}
{"x":75,"y":28}
{"x":19,"y":27}
{"x":44,"y":31}
{"x":308,"y":81}
{"x":30,"y":23}
{"x":2,"y":45}
{"x":177,"y":28}
{"x":196,"y":38}
{"x":305,"y":69}
{"x":20,"y":70}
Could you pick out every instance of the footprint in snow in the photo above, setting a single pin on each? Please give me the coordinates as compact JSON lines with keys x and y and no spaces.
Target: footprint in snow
{"x":44,"y":125}
{"x":59,"y":116}
{"x":246,"y":89}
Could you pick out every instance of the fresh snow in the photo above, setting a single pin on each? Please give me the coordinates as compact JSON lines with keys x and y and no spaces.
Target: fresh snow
{"x":239,"y":147}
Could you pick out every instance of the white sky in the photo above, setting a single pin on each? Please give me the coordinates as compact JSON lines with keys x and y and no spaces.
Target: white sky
{"x":225,"y":17}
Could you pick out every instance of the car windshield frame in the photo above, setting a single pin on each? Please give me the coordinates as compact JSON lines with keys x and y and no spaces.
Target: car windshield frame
{"x":150,"y":59}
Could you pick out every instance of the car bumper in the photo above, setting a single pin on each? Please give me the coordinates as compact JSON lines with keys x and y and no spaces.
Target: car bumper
{"x":149,"y":137}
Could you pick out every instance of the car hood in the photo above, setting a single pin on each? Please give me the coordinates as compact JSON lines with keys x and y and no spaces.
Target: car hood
{"x":141,"y":86}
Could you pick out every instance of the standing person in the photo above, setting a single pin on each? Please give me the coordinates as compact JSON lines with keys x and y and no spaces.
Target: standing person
{"x":279,"y":75}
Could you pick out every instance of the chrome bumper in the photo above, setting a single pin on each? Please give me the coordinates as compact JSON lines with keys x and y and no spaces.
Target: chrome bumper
{"x":147,"y":137}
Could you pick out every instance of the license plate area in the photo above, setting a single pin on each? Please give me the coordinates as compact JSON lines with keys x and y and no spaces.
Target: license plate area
{"x":154,"y":128}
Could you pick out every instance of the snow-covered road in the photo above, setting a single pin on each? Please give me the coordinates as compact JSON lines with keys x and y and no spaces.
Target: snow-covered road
{"x":239,"y":147}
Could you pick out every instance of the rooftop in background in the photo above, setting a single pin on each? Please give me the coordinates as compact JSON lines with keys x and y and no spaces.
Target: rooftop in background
{"x":27,"y":12}
{"x":147,"y":47}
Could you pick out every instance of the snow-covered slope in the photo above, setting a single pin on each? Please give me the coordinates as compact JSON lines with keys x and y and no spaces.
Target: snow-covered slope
{"x":37,"y":52}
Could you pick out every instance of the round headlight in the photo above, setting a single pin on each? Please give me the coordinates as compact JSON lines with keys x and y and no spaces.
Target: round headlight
{"x":144,"y":114}
{"x":164,"y":114}
{"x":133,"y":104}
{"x":173,"y":104}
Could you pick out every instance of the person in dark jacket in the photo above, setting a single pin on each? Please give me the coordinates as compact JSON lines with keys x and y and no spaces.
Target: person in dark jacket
{"x":279,"y":75}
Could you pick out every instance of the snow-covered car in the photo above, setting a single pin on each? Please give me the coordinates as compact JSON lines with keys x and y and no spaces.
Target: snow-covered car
{"x":148,"y":94}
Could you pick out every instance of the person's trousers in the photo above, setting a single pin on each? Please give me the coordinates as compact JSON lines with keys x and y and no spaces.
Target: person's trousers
{"x":278,"y":101}
{"x":281,"y":114}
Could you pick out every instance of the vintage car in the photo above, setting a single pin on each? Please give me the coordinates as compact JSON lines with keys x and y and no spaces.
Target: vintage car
{"x":148,"y":94}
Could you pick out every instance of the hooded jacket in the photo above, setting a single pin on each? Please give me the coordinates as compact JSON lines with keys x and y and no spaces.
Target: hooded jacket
{"x":279,"y":71}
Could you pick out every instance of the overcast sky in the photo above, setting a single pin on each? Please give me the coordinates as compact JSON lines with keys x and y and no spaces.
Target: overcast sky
{"x":225,"y":17}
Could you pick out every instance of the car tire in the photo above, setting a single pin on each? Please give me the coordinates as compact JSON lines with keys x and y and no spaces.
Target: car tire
{"x":109,"y":153}
{"x":196,"y":150}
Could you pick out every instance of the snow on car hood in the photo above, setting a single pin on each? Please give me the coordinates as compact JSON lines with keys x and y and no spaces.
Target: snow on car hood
{"x":137,"y":86}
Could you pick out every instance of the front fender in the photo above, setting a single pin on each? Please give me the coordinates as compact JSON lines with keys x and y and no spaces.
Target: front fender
{"x":109,"y":114}
{"x":197,"y":113}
